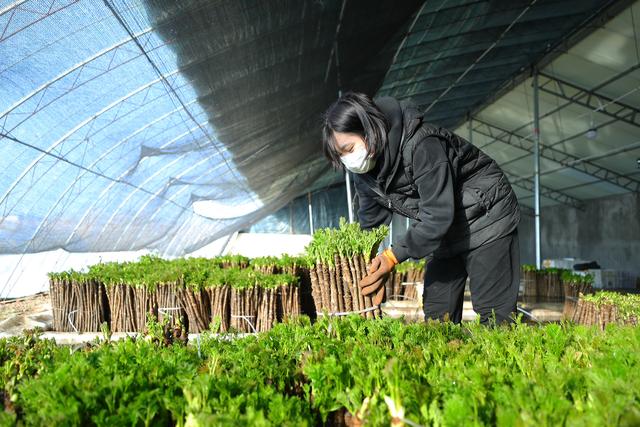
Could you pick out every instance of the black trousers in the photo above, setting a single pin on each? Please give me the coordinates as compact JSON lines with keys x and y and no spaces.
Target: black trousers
{"x":494,"y":279}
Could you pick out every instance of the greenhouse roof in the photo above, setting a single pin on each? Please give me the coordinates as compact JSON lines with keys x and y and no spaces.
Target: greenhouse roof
{"x":165,"y":125}
{"x":589,"y":128}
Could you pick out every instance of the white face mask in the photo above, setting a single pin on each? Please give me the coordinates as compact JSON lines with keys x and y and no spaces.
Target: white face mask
{"x":357,"y":161}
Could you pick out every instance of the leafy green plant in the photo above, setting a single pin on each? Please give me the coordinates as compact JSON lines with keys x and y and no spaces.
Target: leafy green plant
{"x":378,"y":372}
{"x":127,"y":383}
{"x":22,"y":358}
{"x":575,"y":279}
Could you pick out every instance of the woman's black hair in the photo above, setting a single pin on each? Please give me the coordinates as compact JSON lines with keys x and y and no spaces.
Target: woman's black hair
{"x":355,"y":113}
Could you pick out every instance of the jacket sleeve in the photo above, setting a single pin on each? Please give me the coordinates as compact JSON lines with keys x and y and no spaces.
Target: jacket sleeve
{"x":434,"y":180}
{"x":370,"y":213}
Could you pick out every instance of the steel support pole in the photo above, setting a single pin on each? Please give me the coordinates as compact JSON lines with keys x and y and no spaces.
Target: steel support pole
{"x":347,"y":180}
{"x":310,"y":213}
{"x":291,"y":217}
{"x":536,"y":164}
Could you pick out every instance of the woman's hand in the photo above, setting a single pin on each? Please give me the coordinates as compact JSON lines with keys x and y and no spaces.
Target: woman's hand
{"x":379,"y":269}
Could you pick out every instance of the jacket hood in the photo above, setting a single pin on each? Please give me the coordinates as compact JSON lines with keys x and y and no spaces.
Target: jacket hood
{"x":403,"y":120}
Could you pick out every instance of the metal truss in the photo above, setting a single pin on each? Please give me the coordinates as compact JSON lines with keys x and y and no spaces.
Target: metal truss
{"x":23,"y":14}
{"x":590,"y":99}
{"x":566,"y":160}
{"x":554,"y":110}
{"x":100,"y":64}
{"x":558,"y":196}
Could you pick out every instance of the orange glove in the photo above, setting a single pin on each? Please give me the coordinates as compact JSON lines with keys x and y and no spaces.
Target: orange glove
{"x":379,"y":269}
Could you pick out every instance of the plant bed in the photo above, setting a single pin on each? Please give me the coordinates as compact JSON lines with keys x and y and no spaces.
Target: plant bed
{"x":193,"y":291}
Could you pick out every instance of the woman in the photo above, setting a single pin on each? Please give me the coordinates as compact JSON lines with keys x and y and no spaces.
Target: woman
{"x":464,"y":210}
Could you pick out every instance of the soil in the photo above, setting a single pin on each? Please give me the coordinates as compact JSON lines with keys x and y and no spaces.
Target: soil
{"x":29,"y":312}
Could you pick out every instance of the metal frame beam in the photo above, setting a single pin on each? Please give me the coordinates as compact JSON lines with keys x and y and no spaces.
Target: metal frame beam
{"x":615,"y":151}
{"x":567,"y":160}
{"x":536,"y":165}
{"x":592,"y":100}
{"x":347,"y":182}
{"x":561,"y":141}
{"x":555,"y":195}
{"x":18,"y":11}
{"x":568,"y":103}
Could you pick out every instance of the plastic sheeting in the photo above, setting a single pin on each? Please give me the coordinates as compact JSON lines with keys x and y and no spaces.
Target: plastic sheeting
{"x":165,"y":125}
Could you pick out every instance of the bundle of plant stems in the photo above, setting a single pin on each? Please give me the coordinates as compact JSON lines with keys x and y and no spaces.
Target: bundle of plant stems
{"x":245,"y":300}
{"x":291,"y":298}
{"x":544,"y":285}
{"x":219,"y":293}
{"x":136,"y":289}
{"x":79,"y":302}
{"x":266,"y":265}
{"x":602,"y":308}
{"x":340,"y":259}
{"x":255,"y":299}
{"x":552,"y":288}
{"x":574,"y":285}
{"x":402,"y":282}
{"x":530,"y":279}
{"x":63,"y":300}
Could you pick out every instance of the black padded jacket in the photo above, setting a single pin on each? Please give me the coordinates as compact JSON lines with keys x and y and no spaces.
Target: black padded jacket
{"x":458,"y":196}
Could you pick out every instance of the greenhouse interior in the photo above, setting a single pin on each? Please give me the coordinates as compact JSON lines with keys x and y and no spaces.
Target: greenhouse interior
{"x":320,"y":213}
